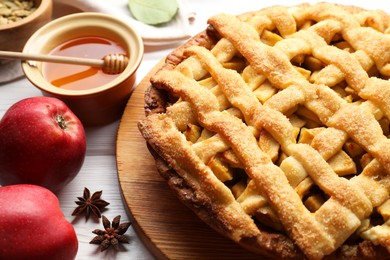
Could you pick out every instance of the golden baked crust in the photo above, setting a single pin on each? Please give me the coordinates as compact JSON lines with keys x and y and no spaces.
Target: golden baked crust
{"x":272,"y":127}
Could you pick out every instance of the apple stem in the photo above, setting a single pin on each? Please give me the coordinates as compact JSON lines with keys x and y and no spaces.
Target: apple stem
{"x":61,"y":122}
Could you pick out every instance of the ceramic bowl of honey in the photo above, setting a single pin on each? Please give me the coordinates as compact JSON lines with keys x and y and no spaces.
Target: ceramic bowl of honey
{"x":19,"y":19}
{"x":95,"y":96}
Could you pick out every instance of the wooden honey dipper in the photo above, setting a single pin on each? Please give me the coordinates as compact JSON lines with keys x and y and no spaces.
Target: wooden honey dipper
{"x":110,"y":64}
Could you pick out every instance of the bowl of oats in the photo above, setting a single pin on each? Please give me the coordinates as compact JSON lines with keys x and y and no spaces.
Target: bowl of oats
{"x":19,"y":19}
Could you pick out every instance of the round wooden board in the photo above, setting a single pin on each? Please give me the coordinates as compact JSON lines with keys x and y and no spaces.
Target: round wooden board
{"x":167,"y":227}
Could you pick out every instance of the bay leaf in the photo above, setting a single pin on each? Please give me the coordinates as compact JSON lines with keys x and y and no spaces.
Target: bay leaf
{"x":153,"y":12}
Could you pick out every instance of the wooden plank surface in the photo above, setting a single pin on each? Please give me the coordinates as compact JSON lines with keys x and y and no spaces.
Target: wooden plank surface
{"x":167,"y":227}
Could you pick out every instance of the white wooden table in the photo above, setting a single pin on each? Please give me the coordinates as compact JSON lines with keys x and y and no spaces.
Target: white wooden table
{"x":99,"y":170}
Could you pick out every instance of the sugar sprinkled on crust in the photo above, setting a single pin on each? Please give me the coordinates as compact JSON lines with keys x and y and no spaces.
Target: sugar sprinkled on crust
{"x":303,"y":81}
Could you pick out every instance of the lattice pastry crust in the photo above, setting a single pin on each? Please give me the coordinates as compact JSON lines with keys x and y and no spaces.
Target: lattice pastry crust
{"x":273,"y":127}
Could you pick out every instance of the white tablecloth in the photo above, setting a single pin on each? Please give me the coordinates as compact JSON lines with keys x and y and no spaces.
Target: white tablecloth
{"x":99,"y":170}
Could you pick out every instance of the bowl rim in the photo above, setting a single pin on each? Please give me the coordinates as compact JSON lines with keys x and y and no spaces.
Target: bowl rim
{"x":129,"y":71}
{"x":43,"y":6}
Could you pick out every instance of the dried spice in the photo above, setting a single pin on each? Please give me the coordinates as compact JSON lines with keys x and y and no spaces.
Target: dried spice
{"x":112,"y":234}
{"x":90,"y":204}
{"x":15,"y":10}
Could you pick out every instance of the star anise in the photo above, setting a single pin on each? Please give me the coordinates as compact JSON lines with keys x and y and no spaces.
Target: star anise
{"x":112,"y":235}
{"x":90,"y":204}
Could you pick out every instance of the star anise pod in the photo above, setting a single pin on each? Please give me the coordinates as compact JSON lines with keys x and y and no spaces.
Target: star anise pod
{"x":90,"y":204}
{"x":112,"y":235}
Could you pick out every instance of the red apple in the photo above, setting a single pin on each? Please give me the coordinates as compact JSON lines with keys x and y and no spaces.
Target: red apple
{"x":41,"y":142}
{"x":32,"y":225}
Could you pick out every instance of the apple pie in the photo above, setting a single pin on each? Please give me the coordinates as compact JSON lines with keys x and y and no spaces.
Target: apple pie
{"x":273,"y":125}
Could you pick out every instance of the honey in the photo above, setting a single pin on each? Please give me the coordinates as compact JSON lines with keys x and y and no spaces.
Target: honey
{"x":80,"y":77}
